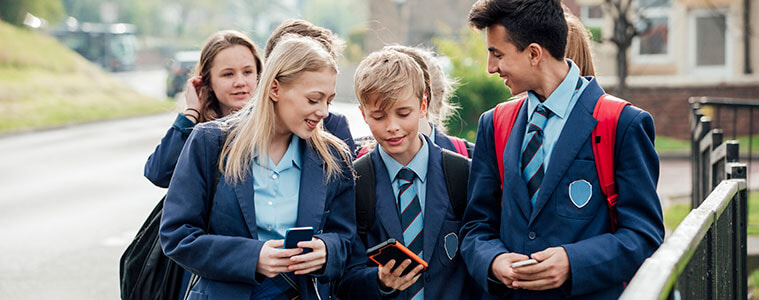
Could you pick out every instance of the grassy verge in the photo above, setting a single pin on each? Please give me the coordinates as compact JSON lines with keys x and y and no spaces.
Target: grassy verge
{"x":665,"y":144}
{"x":676,"y":213}
{"x":45,"y":85}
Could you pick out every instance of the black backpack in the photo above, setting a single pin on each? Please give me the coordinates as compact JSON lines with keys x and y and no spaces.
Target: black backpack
{"x":144,"y":271}
{"x":455,"y":170}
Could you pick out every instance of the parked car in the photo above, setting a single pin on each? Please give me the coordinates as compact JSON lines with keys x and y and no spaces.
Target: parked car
{"x":111,"y":46}
{"x":179,"y":71}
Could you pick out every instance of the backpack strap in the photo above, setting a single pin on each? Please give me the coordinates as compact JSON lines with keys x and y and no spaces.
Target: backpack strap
{"x":607,"y":111}
{"x":460,"y":146}
{"x":366,"y":198}
{"x":504,"y":116}
{"x":456,"y":172}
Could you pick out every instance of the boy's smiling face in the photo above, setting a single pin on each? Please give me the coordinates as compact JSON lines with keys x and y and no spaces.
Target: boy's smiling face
{"x":396,"y":127}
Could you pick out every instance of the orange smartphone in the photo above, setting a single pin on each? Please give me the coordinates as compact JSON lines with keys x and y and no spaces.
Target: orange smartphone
{"x":392,"y":249}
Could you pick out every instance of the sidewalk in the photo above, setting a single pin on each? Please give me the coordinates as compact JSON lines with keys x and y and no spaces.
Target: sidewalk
{"x":675,"y":187}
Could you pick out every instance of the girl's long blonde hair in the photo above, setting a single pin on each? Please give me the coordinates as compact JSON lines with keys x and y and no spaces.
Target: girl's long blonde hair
{"x":254,"y":126}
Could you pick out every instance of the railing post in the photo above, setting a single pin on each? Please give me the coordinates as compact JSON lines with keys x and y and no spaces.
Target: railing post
{"x":702,"y":128}
{"x":740,"y":229}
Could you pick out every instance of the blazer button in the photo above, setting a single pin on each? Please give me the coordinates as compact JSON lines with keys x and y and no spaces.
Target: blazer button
{"x":427,"y":277}
{"x":532,"y":235}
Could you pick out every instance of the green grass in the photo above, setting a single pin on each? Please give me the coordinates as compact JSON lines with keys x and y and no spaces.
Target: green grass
{"x":676,"y":213}
{"x":666,"y":144}
{"x":753,"y":285}
{"x":44,"y":84}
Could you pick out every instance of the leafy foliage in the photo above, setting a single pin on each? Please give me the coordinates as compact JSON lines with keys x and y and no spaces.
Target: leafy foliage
{"x":14,"y":11}
{"x":477,"y":91}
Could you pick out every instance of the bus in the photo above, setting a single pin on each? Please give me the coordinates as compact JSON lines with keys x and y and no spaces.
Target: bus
{"x":111,"y":46}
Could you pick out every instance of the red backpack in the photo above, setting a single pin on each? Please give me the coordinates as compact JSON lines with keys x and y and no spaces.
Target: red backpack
{"x":607,"y":112}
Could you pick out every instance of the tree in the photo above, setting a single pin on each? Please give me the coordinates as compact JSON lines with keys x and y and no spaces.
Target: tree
{"x":14,"y":11}
{"x":477,"y":90}
{"x":629,"y":23}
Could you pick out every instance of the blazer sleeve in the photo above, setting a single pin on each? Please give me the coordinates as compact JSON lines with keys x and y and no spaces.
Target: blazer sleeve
{"x":360,"y":280}
{"x":339,"y":226}
{"x":337,"y":125}
{"x":160,"y":165}
{"x":481,"y":242}
{"x":185,"y":217}
{"x":610,"y":259}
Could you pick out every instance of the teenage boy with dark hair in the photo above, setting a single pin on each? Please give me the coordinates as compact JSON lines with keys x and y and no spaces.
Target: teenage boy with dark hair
{"x":550,"y":206}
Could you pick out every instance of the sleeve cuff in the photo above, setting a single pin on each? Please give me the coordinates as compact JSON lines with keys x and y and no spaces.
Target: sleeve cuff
{"x":183,"y":124}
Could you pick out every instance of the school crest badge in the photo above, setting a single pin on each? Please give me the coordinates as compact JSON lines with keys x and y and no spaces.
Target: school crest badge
{"x":580,"y":192}
{"x":451,"y":245}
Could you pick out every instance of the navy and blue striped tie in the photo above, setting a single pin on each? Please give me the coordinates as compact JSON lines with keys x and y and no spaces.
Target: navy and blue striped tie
{"x":412,"y":223}
{"x":532,"y":155}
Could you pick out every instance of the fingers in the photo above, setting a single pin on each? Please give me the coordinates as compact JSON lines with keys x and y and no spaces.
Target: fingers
{"x":536,"y":285}
{"x":402,"y":267}
{"x":409,"y":281}
{"x":540,"y":267}
{"x":313,"y":244}
{"x":275,"y":243}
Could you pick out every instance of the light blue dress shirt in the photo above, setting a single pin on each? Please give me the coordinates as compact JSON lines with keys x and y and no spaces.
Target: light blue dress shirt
{"x":277,"y":188}
{"x":560,"y":103}
{"x":418,"y":164}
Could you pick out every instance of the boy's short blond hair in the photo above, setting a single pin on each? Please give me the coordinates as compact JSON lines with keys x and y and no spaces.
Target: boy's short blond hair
{"x":386,"y":76}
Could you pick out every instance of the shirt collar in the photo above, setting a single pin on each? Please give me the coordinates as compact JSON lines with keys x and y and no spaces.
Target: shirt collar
{"x":418,"y":164}
{"x":291,"y":156}
{"x":558,"y":101}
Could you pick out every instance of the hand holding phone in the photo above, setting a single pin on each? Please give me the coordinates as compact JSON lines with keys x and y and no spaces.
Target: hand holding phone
{"x":523,"y":263}
{"x":298,"y":234}
{"x":393,"y":250}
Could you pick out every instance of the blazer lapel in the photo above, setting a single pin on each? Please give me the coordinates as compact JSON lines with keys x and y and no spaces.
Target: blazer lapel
{"x":436,"y":201}
{"x":573,"y":136}
{"x":245,"y":198}
{"x":512,"y":179}
{"x":387,"y":211}
{"x":312,"y":196}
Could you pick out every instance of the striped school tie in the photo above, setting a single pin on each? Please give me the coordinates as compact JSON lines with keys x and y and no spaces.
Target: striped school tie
{"x":412,"y":222}
{"x":532,"y":155}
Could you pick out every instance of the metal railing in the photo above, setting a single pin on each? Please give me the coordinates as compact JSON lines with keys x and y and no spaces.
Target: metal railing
{"x":735,"y":116}
{"x":705,"y":257}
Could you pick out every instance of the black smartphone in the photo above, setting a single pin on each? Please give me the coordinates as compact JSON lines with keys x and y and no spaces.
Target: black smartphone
{"x":298,"y":234}
{"x":392,"y":249}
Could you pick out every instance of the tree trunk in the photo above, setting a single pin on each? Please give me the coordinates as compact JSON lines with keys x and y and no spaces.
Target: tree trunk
{"x":621,"y":72}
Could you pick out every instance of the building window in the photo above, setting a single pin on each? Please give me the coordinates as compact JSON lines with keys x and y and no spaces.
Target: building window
{"x":654,"y":40}
{"x":592,"y":15}
{"x":709,"y":35}
{"x":653,"y":45}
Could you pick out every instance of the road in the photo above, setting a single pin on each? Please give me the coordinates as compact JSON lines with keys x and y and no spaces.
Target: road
{"x":71,"y":201}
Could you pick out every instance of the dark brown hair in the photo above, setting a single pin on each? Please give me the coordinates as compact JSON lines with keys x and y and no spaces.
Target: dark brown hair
{"x":216,"y":43}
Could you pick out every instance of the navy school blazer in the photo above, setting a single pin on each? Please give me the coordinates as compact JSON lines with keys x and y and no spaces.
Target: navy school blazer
{"x":226,"y":256}
{"x":600,"y":261}
{"x":446,"y":277}
{"x":161,"y":163}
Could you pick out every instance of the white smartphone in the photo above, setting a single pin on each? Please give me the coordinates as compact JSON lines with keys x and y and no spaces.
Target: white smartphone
{"x":524,"y":263}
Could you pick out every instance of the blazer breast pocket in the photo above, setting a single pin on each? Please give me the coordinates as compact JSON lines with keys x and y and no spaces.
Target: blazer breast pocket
{"x":448,"y":244}
{"x":578,"y":194}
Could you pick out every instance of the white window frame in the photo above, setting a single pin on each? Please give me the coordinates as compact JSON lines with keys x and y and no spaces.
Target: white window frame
{"x":655,"y":12}
{"x":591,"y":22}
{"x":692,"y":35}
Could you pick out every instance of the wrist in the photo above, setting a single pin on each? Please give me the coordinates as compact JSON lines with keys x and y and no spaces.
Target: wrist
{"x":192,"y":113}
